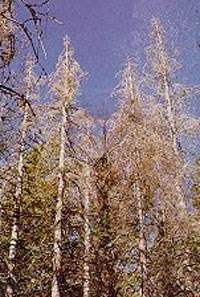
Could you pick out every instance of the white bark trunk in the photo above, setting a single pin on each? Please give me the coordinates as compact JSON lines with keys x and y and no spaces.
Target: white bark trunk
{"x":18,"y":195}
{"x":86,"y":203}
{"x":170,"y":118}
{"x":167,"y":97}
{"x":142,"y":240}
{"x":134,"y":95}
{"x":173,"y":136}
{"x":57,"y":257}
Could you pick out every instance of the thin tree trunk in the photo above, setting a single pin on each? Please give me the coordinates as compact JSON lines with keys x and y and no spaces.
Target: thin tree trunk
{"x":142,"y":240}
{"x":169,"y":104}
{"x":173,"y":137}
{"x":55,"y":291}
{"x":16,"y":217}
{"x":134,"y":95}
{"x":170,"y":115}
{"x":86,"y":203}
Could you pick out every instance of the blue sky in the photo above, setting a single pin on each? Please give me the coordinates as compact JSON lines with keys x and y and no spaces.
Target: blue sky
{"x":103,"y":32}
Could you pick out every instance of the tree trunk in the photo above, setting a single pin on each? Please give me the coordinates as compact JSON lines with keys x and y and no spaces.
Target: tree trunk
{"x":16,"y":216}
{"x":55,"y":290}
{"x":173,"y":136}
{"x":86,"y":204}
{"x":170,"y":113}
{"x":142,"y":240}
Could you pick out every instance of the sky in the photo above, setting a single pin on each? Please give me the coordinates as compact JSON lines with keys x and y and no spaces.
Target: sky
{"x":103,"y":32}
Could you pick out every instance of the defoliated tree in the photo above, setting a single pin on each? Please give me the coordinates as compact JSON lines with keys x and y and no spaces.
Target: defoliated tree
{"x":173,"y":97}
{"x":129,"y":140}
{"x":170,"y":250}
{"x":65,"y":85}
{"x":29,"y":85}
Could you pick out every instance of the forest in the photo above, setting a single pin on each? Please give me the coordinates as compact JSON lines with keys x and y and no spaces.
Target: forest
{"x":89,"y":206}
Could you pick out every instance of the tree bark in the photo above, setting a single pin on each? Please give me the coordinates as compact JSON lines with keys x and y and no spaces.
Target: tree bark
{"x":170,"y":113}
{"x":55,"y":291}
{"x":87,"y":244}
{"x":10,"y":290}
{"x":142,"y":240}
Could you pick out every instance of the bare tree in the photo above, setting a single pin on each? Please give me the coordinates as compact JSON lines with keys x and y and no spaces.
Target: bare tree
{"x":163,"y":68}
{"x":26,"y":114}
{"x":65,"y":85}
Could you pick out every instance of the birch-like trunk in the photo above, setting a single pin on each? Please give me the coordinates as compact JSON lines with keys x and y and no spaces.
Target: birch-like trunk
{"x":167,"y":97}
{"x":142,"y":240}
{"x":170,"y":114}
{"x":57,"y":256}
{"x":173,"y":136}
{"x":11,"y":283}
{"x":87,"y":244}
{"x":133,"y":91}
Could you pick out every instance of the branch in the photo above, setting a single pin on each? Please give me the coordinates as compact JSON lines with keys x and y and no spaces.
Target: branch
{"x":9,"y":91}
